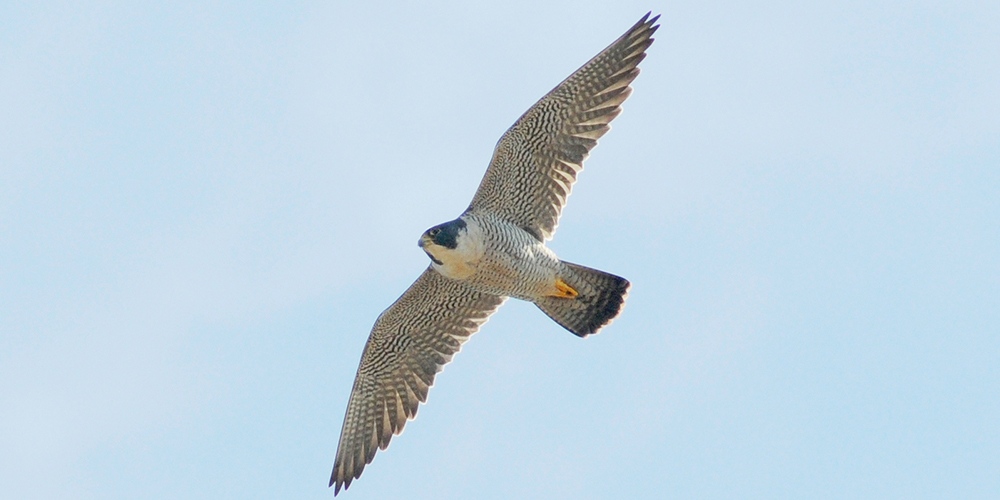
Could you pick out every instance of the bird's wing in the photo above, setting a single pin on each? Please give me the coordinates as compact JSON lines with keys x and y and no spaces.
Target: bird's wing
{"x":411,"y":342}
{"x":536,"y":161}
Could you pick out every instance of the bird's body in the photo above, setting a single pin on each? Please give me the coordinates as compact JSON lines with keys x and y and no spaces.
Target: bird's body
{"x":496,"y":257}
{"x":496,"y":250}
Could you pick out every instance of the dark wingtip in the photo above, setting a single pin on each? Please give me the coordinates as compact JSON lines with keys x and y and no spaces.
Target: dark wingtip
{"x":648,"y":20}
{"x":333,"y":481}
{"x":337,"y":483}
{"x":645,"y":27}
{"x":651,"y":23}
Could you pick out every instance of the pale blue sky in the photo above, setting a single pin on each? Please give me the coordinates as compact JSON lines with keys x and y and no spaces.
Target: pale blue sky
{"x":204,"y":208}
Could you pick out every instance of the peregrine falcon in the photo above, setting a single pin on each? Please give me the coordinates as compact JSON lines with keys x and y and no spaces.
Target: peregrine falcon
{"x":493,"y":251}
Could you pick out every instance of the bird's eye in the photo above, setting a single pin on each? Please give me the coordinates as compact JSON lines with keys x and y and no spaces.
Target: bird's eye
{"x":434,"y":232}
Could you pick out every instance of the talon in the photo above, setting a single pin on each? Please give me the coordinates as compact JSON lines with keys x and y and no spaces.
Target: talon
{"x":565,"y":290}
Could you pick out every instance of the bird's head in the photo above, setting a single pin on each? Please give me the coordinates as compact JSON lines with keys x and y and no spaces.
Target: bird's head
{"x":441,"y":240}
{"x":455,"y":247}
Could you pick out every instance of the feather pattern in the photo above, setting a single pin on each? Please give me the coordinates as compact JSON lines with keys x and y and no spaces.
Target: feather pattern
{"x":410,"y":343}
{"x":517,"y":207}
{"x":537,"y":160}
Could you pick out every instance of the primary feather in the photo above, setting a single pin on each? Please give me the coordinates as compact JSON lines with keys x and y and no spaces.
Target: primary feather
{"x":537,"y":160}
{"x":524,"y":190}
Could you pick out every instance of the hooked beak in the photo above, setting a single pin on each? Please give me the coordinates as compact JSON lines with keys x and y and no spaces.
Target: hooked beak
{"x":425,"y":241}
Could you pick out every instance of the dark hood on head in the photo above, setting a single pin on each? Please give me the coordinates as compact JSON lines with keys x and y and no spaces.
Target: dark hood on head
{"x":446,"y":234}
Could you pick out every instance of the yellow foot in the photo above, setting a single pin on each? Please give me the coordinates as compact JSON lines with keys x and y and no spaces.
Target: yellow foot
{"x":564,"y":290}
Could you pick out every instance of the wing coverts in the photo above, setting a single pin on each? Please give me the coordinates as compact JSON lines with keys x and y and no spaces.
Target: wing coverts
{"x":529,"y":179}
{"x":537,"y":160}
{"x":410,"y":343}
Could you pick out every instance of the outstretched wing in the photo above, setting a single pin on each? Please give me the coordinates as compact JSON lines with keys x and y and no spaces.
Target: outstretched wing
{"x":411,"y":342}
{"x":536,"y":161}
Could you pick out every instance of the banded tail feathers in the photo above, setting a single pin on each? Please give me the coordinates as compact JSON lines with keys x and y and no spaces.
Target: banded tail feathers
{"x":600,"y":300}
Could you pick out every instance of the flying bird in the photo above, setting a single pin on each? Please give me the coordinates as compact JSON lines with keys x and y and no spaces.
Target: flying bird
{"x":493,"y":251}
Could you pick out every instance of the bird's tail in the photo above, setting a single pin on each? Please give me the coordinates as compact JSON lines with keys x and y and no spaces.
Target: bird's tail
{"x":599,"y":300}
